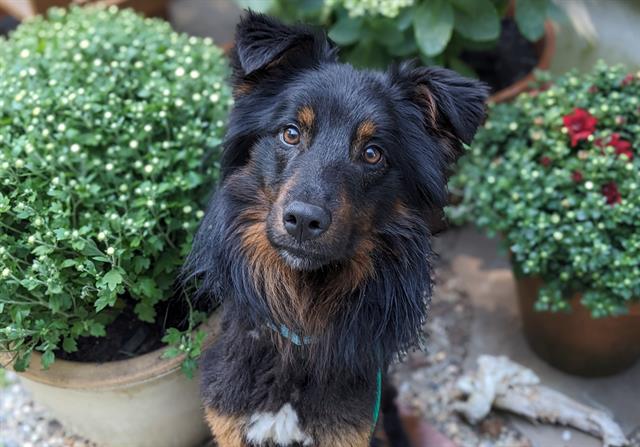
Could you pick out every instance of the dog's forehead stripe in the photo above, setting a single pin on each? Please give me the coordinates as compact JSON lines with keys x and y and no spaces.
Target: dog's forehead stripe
{"x":306,"y":117}
{"x":365,"y":131}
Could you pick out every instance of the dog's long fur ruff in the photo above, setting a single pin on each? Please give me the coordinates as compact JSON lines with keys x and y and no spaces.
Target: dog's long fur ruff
{"x":361,"y":294}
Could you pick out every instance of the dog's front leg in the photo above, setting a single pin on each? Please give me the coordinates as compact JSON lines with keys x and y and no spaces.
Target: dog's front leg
{"x":227,"y":430}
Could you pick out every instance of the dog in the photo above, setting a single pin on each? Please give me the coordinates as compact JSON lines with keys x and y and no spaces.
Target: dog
{"x":316,"y":241}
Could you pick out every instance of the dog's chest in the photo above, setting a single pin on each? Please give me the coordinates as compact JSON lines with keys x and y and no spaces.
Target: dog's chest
{"x":266,"y":401}
{"x":280,"y":428}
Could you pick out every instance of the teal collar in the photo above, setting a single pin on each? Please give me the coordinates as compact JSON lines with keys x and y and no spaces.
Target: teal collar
{"x":292,"y":336}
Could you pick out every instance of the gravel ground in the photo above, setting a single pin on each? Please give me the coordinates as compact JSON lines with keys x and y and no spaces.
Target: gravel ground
{"x":25,"y":424}
{"x":425,"y":380}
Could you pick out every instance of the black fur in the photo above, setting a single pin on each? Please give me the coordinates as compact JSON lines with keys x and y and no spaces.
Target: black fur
{"x":277,"y":71}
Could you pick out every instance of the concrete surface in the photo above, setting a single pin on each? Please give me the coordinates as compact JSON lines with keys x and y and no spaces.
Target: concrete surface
{"x":484,"y":273}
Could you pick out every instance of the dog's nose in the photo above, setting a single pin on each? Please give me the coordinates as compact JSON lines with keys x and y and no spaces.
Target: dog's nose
{"x":305,"y":221}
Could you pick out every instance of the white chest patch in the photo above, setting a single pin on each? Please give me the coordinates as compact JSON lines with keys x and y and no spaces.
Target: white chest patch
{"x":281,"y":428}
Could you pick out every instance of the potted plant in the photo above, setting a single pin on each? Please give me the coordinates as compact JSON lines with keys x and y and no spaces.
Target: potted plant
{"x":556,"y":174}
{"x":501,"y":41}
{"x":106,"y":118}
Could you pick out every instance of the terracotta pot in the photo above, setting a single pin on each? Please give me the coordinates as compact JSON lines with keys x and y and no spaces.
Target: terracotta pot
{"x":545,"y":48}
{"x":575,"y":342}
{"x":145,"y":401}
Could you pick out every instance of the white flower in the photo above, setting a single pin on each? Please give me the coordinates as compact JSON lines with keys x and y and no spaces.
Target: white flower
{"x":62,"y":127}
{"x":75,"y":148}
{"x":133,"y":144}
{"x":588,"y":185}
{"x":31,"y":239}
{"x":108,"y":167}
{"x":19,"y":163}
{"x":179,"y":72}
{"x":513,"y":126}
{"x":6,"y":272}
{"x":557,"y":235}
{"x":214,"y":97}
{"x":102,"y":236}
{"x":84,"y":44}
{"x":111,"y":251}
{"x":24,"y":54}
{"x":35,"y":111}
{"x":187,"y":209}
{"x":194,"y":74}
{"x":147,"y":128}
{"x":179,"y":102}
{"x":108,"y":115}
{"x":148,"y":169}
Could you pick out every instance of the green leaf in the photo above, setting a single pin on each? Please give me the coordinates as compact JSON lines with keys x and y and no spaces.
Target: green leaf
{"x":171,"y":352}
{"x":47,"y":359}
{"x":145,"y":312}
{"x":189,"y":367}
{"x":478,"y":21}
{"x":68,"y":263}
{"x":22,"y":361}
{"x":433,"y":25}
{"x":69,"y":344}
{"x":112,"y":279}
{"x":172,"y":336}
{"x":106,"y":298}
{"x":346,"y":30}
{"x":530,"y":16}
{"x":97,"y":329}
{"x":404,"y":19}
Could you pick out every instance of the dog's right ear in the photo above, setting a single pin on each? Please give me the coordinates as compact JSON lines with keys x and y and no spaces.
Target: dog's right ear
{"x":267,"y":48}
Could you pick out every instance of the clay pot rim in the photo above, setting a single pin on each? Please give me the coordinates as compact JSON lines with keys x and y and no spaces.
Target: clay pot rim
{"x":111,"y":375}
{"x":633,"y":305}
{"x":546,"y":48}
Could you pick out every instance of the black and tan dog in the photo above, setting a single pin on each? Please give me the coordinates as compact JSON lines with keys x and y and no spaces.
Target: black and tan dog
{"x":316,"y":238}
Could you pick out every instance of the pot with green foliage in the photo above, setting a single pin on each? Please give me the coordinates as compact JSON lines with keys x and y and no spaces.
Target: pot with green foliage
{"x":108,"y":148}
{"x":501,"y":41}
{"x":557,"y":175}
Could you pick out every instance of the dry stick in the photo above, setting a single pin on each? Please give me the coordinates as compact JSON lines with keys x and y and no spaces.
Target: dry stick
{"x":504,"y":384}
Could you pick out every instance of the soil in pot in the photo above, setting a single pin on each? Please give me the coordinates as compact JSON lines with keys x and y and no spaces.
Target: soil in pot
{"x":575,"y":342}
{"x":512,"y":59}
{"x":127,"y":336}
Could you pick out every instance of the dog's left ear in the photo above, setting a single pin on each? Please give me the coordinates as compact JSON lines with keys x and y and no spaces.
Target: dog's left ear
{"x":450,"y":102}
{"x":265,"y":46}
{"x":446,"y":106}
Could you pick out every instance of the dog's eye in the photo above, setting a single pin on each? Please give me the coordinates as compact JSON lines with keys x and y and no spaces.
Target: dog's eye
{"x":291,"y":135}
{"x":372,"y":155}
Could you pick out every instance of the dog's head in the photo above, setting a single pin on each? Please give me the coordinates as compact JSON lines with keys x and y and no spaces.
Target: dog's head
{"x":339,"y":152}
{"x":329,"y":174}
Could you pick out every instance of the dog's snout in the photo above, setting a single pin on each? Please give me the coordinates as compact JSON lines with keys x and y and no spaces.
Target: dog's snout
{"x":305,"y":221}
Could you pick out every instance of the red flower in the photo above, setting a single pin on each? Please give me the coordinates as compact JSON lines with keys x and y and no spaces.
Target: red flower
{"x":628,"y":79}
{"x":622,"y":147}
{"x":580,"y":125}
{"x":545,"y":161}
{"x":611,"y":193}
{"x":577,"y":176}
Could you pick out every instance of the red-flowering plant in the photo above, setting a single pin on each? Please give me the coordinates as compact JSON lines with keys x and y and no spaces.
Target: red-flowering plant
{"x":557,"y":175}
